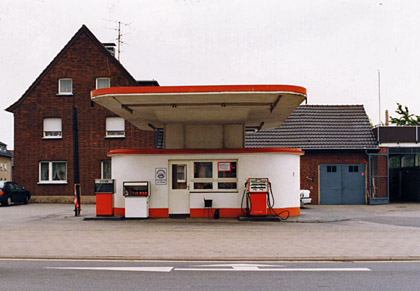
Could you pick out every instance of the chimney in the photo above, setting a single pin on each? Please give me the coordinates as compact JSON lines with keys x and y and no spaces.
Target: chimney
{"x":386,"y":118}
{"x":110,"y":47}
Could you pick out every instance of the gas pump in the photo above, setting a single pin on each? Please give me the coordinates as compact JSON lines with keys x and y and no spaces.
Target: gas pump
{"x":259,"y":199}
{"x":258,"y":194}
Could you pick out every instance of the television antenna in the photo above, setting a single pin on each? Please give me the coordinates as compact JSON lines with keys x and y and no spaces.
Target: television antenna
{"x":119,"y":36}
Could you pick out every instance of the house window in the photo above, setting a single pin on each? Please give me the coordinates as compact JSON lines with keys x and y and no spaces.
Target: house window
{"x":353,"y":169}
{"x":331,"y":169}
{"x":52,"y":128}
{"x":65,"y":86}
{"x":5,"y":166}
{"x":394,"y":161}
{"x":106,"y":169}
{"x":103,"y":83}
{"x":115,"y":127}
{"x":53,"y":172}
{"x":407,"y":161}
{"x":1,"y":166}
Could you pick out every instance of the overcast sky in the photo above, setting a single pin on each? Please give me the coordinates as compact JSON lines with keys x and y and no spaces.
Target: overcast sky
{"x":333,"y":48}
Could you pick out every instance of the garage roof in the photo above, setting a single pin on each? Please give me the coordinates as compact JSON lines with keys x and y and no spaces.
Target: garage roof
{"x":317,"y":127}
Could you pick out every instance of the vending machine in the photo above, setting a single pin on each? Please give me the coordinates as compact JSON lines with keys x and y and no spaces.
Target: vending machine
{"x":137,"y":194}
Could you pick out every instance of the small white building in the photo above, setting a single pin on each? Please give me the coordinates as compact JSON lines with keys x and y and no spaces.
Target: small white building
{"x":204,"y":156}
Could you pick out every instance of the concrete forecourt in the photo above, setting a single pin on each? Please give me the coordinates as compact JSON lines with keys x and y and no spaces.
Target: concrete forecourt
{"x":330,"y":233}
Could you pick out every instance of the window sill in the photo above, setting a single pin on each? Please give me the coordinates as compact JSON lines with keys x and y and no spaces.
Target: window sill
{"x":226,"y":191}
{"x":64,"y":94}
{"x":52,"y":183}
{"x":58,"y":137}
{"x":115,"y":136}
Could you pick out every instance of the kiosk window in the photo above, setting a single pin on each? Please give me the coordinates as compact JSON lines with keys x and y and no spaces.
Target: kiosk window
{"x":179,"y":176}
{"x":203,"y":169}
{"x":203,"y":185}
{"x":215,"y":175}
{"x":227,"y":169}
{"x":231,"y":185}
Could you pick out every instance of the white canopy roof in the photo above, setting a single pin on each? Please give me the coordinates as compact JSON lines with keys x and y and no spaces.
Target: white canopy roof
{"x":262,"y":106}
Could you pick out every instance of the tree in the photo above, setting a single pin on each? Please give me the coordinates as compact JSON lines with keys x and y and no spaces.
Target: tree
{"x":405,"y":117}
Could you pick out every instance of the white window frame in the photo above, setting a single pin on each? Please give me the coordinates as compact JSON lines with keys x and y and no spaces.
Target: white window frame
{"x":60,"y":92}
{"x":50,"y":173}
{"x":215,"y":180}
{"x":57,"y":133}
{"x":102,"y":169}
{"x":114,"y":127}
{"x":99,"y":79}
{"x":5,"y":166}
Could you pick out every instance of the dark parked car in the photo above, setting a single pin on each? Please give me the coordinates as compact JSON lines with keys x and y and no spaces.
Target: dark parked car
{"x":10,"y":193}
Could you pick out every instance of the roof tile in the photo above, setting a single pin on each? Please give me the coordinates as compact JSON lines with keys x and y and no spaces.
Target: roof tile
{"x":319,"y":127}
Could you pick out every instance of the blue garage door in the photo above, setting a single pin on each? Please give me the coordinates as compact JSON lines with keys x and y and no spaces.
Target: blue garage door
{"x":342,"y":184}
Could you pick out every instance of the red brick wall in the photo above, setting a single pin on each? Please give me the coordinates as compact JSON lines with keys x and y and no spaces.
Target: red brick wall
{"x":83,"y":62}
{"x":309,"y":168}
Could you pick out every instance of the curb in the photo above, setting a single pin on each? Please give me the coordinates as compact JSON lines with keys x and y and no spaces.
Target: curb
{"x":280,"y":259}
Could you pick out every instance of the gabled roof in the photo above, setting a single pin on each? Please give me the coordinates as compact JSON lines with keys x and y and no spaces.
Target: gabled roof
{"x":319,"y":127}
{"x":92,"y":37}
{"x":4,"y":152}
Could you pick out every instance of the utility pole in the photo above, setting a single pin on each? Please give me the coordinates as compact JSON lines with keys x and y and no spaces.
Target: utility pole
{"x":76,"y":176}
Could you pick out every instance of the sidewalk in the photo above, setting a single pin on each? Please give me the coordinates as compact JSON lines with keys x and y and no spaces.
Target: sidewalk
{"x":381,"y":232}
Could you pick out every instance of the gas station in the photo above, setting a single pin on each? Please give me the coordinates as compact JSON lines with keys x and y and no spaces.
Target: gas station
{"x":204,"y":169}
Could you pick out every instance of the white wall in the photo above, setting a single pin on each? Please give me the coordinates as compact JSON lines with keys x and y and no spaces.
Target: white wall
{"x":282,"y":169}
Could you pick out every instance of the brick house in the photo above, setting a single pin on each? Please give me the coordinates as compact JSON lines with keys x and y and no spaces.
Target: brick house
{"x":337,"y":140}
{"x":401,"y":143}
{"x":5,"y":163}
{"x":43,"y":155}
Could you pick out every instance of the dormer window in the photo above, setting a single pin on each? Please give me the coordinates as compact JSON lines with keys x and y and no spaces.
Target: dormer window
{"x":65,"y":86}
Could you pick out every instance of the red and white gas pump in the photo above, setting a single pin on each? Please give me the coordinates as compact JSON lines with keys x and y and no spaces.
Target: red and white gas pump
{"x":258,"y":191}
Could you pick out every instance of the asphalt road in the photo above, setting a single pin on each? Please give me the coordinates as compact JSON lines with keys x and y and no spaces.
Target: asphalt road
{"x":48,"y":275}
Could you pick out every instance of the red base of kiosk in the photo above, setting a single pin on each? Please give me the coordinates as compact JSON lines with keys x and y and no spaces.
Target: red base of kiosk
{"x":104,"y":204}
{"x":258,"y":203}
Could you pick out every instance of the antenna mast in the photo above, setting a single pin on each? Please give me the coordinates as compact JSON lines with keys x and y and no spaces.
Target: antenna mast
{"x":119,"y":39}
{"x":379,"y":95}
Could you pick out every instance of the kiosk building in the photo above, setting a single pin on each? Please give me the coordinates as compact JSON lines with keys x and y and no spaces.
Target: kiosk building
{"x":204,"y":156}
